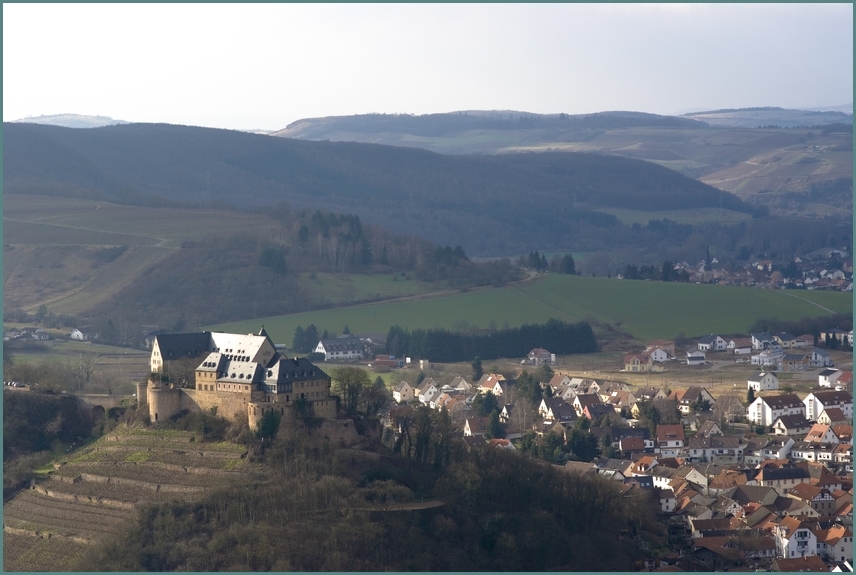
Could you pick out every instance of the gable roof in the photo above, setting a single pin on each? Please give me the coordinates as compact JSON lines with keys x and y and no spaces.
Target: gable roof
{"x":178,"y":345}
{"x":670,"y":432}
{"x":782,"y":401}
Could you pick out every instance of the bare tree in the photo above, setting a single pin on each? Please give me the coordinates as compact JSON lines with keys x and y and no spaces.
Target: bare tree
{"x":728,"y":409}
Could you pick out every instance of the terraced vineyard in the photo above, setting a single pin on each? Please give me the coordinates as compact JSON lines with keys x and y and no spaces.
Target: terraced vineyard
{"x":88,"y":496}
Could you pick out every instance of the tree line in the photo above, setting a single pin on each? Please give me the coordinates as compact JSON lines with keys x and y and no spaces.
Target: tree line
{"x":450,"y":347}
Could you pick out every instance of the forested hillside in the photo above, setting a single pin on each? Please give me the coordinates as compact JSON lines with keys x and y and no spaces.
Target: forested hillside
{"x":491,"y":205}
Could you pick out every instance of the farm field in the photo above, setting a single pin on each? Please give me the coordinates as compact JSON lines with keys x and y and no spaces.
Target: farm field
{"x":647,"y":310}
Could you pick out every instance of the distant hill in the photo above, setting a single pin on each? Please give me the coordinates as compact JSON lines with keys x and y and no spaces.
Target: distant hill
{"x":771,"y":116}
{"x":489,"y":204}
{"x":723,"y":148}
{"x":433,"y":125}
{"x":72,"y":120}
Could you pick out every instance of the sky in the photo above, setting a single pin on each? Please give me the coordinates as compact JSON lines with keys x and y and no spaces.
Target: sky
{"x":263,"y":66}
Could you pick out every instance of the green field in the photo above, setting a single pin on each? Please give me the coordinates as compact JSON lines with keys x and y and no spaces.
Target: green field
{"x":347,"y":288}
{"x":645,"y":309}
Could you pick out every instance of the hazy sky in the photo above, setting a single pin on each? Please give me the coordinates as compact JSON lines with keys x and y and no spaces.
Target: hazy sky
{"x":266,"y":65}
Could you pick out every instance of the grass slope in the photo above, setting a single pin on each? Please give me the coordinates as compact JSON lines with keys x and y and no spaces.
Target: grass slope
{"x":645,"y":309}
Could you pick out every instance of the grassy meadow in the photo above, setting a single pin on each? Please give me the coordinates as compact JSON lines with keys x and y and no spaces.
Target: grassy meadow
{"x":647,"y":310}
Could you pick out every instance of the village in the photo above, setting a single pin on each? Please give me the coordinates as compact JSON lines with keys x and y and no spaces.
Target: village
{"x":761,"y":478}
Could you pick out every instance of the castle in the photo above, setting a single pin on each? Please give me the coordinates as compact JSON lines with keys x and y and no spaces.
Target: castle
{"x":234,"y":374}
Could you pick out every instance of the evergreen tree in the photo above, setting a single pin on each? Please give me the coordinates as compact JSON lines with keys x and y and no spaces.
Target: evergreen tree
{"x":494,"y":426}
{"x":478,"y":372}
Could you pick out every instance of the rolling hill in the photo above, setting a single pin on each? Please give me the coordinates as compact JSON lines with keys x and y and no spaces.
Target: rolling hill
{"x":492,"y":205}
{"x":724,"y":148}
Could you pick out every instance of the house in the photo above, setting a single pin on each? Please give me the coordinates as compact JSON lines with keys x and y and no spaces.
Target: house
{"x":427,"y":390}
{"x":709,"y":429}
{"x":539,"y":356}
{"x":835,"y":544}
{"x":595,"y":411}
{"x":828,"y":377}
{"x":664,"y":344}
{"x":695,"y":358}
{"x":820,"y":433}
{"x":817,"y":401}
{"x":712,"y":342}
{"x":403,"y":392}
{"x":820,"y":358}
{"x":475,"y":426}
{"x":761,"y":341}
{"x":559,"y":382}
{"x":658,"y":355}
{"x":83,"y":334}
{"x":670,"y":440}
{"x":808,"y":451}
{"x":585,"y":400}
{"x":491,"y":382}
{"x":763,"y":381}
{"x":818,"y":498}
{"x":778,"y":448}
{"x":794,"y":539}
{"x":345,"y":347}
{"x":782,"y":478}
{"x":770,"y":357}
{"x":795,"y":362}
{"x":722,"y":450}
{"x":765,"y":410}
{"x":838,"y":335}
{"x":637,"y":362}
{"x":740,"y":346}
{"x":795,"y":424}
{"x":690,"y":397}
{"x":460,"y":384}
{"x":785,"y":339}
{"x":667,"y":500}
{"x":831,"y":416}
{"x":555,"y":409}
{"x":650,"y":394}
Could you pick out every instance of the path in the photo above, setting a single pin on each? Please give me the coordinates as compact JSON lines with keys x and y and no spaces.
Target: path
{"x":814,"y":303}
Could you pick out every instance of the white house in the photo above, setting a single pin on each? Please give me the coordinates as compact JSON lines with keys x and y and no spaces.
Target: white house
{"x":695,"y":358}
{"x":712,"y":342}
{"x":761,"y":341}
{"x":778,"y":448}
{"x":740,"y":346}
{"x":763,"y":381}
{"x":828,"y":377}
{"x":794,"y":539}
{"x":670,"y":440}
{"x":341,"y":348}
{"x":818,"y":401}
{"x":658,"y":354}
{"x":765,"y":410}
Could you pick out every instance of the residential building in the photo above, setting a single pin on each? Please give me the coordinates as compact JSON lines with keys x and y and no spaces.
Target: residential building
{"x":712,"y":342}
{"x":763,"y":381}
{"x":817,"y":401}
{"x":403,"y":392}
{"x":765,"y":410}
{"x":347,"y":347}
{"x":670,"y":440}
